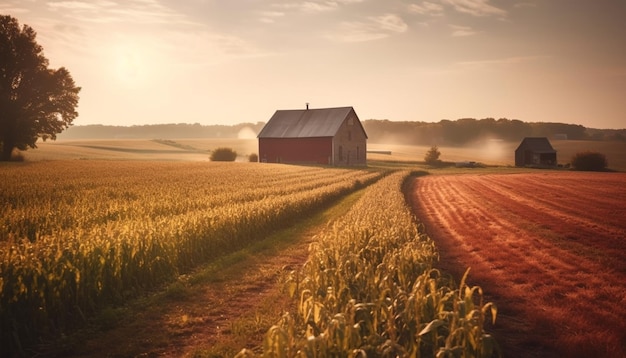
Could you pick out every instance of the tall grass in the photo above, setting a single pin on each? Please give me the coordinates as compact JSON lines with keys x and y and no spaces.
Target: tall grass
{"x":75,"y":236}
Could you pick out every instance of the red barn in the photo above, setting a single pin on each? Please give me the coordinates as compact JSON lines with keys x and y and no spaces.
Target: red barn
{"x":330,"y":136}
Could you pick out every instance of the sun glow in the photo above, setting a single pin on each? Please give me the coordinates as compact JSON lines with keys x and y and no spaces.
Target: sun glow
{"x":128,"y":65}
{"x":133,"y":63}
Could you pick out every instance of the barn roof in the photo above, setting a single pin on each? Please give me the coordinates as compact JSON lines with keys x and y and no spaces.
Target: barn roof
{"x":305,"y":123}
{"x":537,"y":145}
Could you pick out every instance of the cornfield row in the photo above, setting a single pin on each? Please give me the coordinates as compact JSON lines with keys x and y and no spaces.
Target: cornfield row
{"x":369,"y":289}
{"x":77,"y":235}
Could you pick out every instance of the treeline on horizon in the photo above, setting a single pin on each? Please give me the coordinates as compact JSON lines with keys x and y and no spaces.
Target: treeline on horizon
{"x":466,"y":131}
{"x":445,"y":132}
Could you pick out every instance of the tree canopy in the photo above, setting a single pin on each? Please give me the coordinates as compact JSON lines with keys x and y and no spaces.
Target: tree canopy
{"x":35,"y":101}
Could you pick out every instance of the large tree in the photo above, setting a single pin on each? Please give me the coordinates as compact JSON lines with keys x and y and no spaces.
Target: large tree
{"x":35,"y":101}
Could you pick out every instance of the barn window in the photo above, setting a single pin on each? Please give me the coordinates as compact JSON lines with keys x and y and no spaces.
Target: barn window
{"x":350,"y":121}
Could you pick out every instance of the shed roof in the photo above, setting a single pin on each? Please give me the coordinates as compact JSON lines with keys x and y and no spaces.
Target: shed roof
{"x":305,"y":123}
{"x":537,"y":145}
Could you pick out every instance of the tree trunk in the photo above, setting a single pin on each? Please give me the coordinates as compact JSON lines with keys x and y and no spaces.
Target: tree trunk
{"x":7,"y":149}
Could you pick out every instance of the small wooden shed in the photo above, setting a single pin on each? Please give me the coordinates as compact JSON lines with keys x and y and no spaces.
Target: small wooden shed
{"x":535,"y":151}
{"x":329,"y":136}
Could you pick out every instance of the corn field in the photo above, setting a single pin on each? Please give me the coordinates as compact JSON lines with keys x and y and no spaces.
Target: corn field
{"x":369,"y":289}
{"x":75,"y":236}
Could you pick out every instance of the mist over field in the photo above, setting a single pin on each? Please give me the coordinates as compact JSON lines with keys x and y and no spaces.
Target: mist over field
{"x":247,"y":133}
{"x":461,"y":132}
{"x":487,"y":141}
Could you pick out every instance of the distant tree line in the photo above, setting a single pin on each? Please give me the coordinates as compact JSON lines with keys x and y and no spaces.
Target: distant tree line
{"x":445,"y":132}
{"x":468,"y":130}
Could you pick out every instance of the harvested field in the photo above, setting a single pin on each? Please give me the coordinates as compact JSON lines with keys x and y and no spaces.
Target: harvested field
{"x":548,"y":248}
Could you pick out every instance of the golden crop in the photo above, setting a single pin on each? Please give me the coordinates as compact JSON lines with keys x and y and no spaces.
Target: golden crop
{"x":369,"y":289}
{"x":75,"y":235}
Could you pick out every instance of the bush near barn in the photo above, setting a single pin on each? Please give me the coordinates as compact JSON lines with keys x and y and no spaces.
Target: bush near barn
{"x":589,"y":161}
{"x":223,"y":155}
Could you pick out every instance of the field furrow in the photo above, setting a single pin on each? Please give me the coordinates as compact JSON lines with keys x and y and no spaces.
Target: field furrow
{"x":557,"y":276}
{"x":571,"y":229}
{"x":569,"y":203}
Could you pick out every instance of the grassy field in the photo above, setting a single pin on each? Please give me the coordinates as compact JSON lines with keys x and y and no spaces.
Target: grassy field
{"x":139,"y":149}
{"x":500,"y":153}
{"x":490,"y":152}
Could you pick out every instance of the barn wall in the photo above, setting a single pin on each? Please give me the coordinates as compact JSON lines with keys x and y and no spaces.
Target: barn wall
{"x":547,"y":159}
{"x":519,"y":157}
{"x":350,"y":143}
{"x":525,"y":156}
{"x":295,"y":150}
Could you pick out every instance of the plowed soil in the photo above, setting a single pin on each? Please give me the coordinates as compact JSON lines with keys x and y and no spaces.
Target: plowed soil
{"x":548,"y":248}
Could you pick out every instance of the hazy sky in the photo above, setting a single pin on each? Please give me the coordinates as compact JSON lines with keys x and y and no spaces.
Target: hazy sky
{"x":234,"y":61}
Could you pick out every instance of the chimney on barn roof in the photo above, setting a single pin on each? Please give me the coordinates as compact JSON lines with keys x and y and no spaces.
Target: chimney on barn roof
{"x":307,"y":105}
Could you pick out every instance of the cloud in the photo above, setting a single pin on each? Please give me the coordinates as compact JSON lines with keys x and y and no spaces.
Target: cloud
{"x":80,"y":5}
{"x":390,"y":22}
{"x":524,"y":4}
{"x":462,"y":31}
{"x":357,"y":32}
{"x":207,"y":48}
{"x":308,"y":6}
{"x":375,"y":28}
{"x":500,"y":62}
{"x":8,"y":7}
{"x":139,"y":12}
{"x":427,"y":8}
{"x":475,"y":7}
{"x":96,"y":29}
{"x":314,"y":6}
{"x":269,"y":17}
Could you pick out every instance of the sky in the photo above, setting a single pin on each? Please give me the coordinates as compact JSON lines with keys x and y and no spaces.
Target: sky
{"x":237,"y":61}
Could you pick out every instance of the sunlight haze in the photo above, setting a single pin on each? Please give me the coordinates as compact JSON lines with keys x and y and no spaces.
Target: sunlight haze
{"x":229,"y":62}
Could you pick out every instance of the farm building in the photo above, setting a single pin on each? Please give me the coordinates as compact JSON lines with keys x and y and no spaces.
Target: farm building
{"x":330,"y":136}
{"x":535,"y":151}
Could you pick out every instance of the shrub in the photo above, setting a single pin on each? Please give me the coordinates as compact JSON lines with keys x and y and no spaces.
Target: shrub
{"x":223,"y":155}
{"x":253,"y":158}
{"x":17,"y":156}
{"x":432,"y":156}
{"x":589,"y":161}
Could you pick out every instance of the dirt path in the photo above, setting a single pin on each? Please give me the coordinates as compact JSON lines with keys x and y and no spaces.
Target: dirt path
{"x":217,"y":317}
{"x":210,"y":318}
{"x":549,"y":249}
